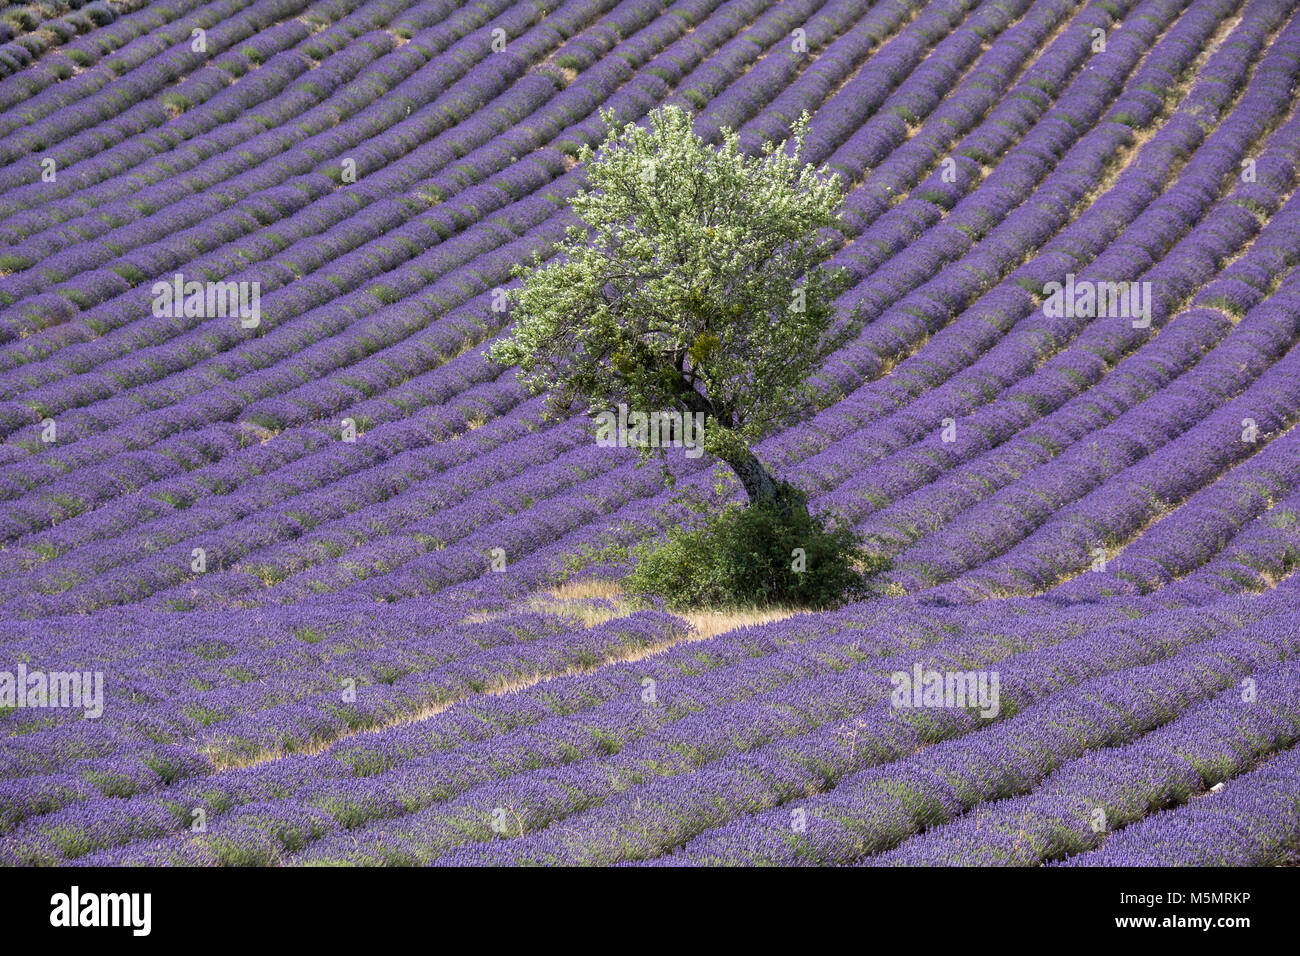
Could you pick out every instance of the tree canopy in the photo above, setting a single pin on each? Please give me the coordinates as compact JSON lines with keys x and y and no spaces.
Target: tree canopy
{"x":696,"y":284}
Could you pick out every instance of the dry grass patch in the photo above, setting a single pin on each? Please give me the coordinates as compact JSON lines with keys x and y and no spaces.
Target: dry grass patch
{"x":591,"y":602}
{"x":261,"y":433}
{"x":711,"y":623}
{"x":596,"y":601}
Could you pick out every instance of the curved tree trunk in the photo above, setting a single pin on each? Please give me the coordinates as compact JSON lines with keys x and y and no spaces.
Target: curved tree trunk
{"x":758,"y":484}
{"x":754,"y":477}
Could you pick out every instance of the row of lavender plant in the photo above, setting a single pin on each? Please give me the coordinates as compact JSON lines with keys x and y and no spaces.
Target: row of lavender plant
{"x":712,"y":736}
{"x":877,"y":809}
{"x":581,"y":714}
{"x":433,"y":59}
{"x":145,"y":642}
{"x":129,"y":33}
{"x":130,"y":40}
{"x":1163,"y":628}
{"x":798,"y":707}
{"x":977,"y":388}
{"x":913,"y":490}
{"x":118,"y":25}
{"x":1253,"y":821}
{"x":1081,"y":803}
{"x":1196,"y":531}
{"x":1264,"y":552}
{"x":148,"y":260}
{"x":975,"y":471}
{"x":876,"y":411}
{"x":949,"y":541}
{"x":503,"y":259}
{"x":210,"y":100}
{"x":492,"y":75}
{"x":1139,"y":493}
{"x":272,"y":147}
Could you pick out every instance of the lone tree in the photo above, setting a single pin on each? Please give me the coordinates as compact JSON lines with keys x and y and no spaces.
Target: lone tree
{"x":696,"y":287}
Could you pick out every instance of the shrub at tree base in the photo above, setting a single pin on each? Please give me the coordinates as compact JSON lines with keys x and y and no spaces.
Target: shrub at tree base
{"x":772,"y":552}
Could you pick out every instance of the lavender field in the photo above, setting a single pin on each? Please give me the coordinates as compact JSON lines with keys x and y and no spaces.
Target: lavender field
{"x":315,"y":581}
